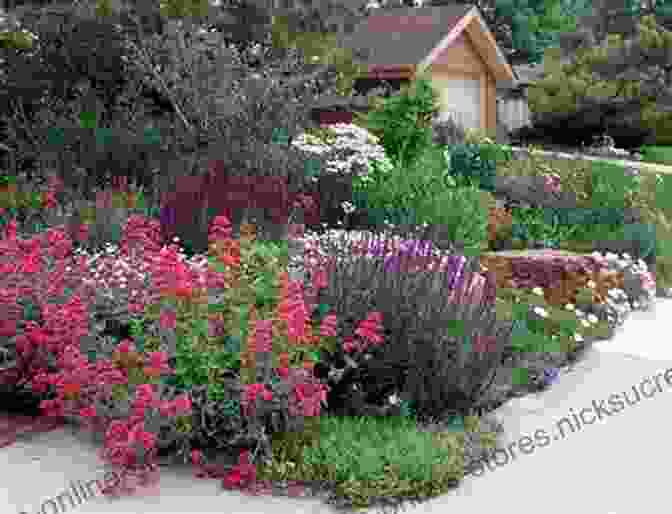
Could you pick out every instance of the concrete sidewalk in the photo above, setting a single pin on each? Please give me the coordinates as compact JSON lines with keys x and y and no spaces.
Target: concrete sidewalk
{"x":650,"y":166}
{"x":617,"y":465}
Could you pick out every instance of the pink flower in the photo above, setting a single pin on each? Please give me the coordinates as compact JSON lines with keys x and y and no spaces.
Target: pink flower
{"x":369,"y":328}
{"x":168,"y":320}
{"x":7,"y":328}
{"x":168,"y":409}
{"x":196,"y":457}
{"x":126,"y":346}
{"x":328,"y":326}
{"x":264,"y":335}
{"x":159,"y":361}
{"x":88,"y":412}
{"x":485,"y":344}
{"x":183,"y":403}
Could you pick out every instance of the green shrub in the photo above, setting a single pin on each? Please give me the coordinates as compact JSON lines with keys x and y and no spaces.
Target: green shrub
{"x":415,"y":313}
{"x":474,"y":163}
{"x":658,"y":154}
{"x":397,"y":193}
{"x":461,"y":215}
{"x":403,"y":123}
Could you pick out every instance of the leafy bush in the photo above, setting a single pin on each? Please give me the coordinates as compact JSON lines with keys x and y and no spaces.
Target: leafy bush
{"x":339,"y":153}
{"x":414,"y":306}
{"x":478,"y":137}
{"x":403,"y":123}
{"x":401,"y":188}
{"x":448,"y":133}
{"x":476,"y":163}
{"x":462,"y":215}
{"x":422,"y":193}
{"x":636,"y":239}
{"x":78,"y":70}
{"x":658,"y":154}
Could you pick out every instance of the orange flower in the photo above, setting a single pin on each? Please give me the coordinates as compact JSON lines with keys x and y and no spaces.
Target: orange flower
{"x":248,"y":232}
{"x":151,"y":372}
{"x":283,"y":359}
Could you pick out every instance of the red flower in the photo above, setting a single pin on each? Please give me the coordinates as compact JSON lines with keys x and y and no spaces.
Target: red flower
{"x":483,"y":344}
{"x":70,"y":390}
{"x":125,"y":346}
{"x":88,"y":412}
{"x":196,"y":457}
{"x":7,"y":328}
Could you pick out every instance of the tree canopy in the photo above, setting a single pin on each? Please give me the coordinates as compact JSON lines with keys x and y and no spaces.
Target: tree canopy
{"x":616,"y":66}
{"x":525,"y":28}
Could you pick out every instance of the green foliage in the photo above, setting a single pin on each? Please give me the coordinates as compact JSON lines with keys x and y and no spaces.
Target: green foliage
{"x":640,"y":237}
{"x":538,"y":224}
{"x":471,"y":163}
{"x":535,"y":25}
{"x":461,"y":215}
{"x":394,"y":460}
{"x":657,"y":154}
{"x":424,"y":192}
{"x":661,"y":124}
{"x":396,"y":195}
{"x":404,"y":121}
{"x":604,"y":84}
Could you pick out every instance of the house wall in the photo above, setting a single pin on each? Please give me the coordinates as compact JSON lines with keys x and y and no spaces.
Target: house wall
{"x":513,"y":112}
{"x":461,"y":59}
{"x":491,"y":104}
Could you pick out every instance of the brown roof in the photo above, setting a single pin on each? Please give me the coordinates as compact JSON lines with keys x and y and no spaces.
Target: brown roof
{"x":384,"y":34}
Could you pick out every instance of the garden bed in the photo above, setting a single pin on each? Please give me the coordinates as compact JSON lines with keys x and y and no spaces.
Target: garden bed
{"x":535,"y":338}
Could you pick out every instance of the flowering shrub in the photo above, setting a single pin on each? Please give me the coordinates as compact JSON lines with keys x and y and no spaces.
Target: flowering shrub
{"x":639,"y":284}
{"x":356,"y":151}
{"x":93,"y":390}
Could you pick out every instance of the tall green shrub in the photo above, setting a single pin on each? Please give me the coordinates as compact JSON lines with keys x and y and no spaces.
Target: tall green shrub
{"x":403,"y":123}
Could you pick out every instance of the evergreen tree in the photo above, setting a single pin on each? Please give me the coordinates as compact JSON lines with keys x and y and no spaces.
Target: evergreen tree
{"x":613,"y":71}
{"x":525,"y":28}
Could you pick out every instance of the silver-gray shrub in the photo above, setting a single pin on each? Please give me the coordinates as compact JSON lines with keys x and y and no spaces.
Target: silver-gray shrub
{"x":422,"y":328}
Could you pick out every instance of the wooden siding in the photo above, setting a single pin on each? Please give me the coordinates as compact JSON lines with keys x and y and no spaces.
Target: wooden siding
{"x":491,"y":104}
{"x":460,"y":56}
{"x":462,"y":59}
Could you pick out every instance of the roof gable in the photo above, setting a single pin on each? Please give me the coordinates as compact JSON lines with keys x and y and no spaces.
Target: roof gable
{"x":412,"y":37}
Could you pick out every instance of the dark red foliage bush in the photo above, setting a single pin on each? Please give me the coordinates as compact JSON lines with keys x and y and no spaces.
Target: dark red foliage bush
{"x":194,"y":202}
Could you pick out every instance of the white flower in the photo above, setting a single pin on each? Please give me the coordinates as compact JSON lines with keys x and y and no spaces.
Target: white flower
{"x":394,"y":399}
{"x":611,"y":256}
{"x":585,"y":323}
{"x":354,"y":149}
{"x":348,"y":207}
{"x":592,"y":318}
{"x":538,"y":291}
{"x":569,"y":307}
{"x":578,"y":337}
{"x":541,"y":312}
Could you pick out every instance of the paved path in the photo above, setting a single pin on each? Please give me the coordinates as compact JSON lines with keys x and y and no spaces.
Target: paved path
{"x":616,"y":465}
{"x":659,"y":168}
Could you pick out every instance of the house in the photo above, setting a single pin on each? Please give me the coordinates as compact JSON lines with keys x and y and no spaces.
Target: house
{"x":512,"y":107}
{"x":450,"y":42}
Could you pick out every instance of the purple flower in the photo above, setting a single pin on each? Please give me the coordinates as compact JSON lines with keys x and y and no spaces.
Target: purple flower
{"x":454,"y":268}
{"x":550,"y":375}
